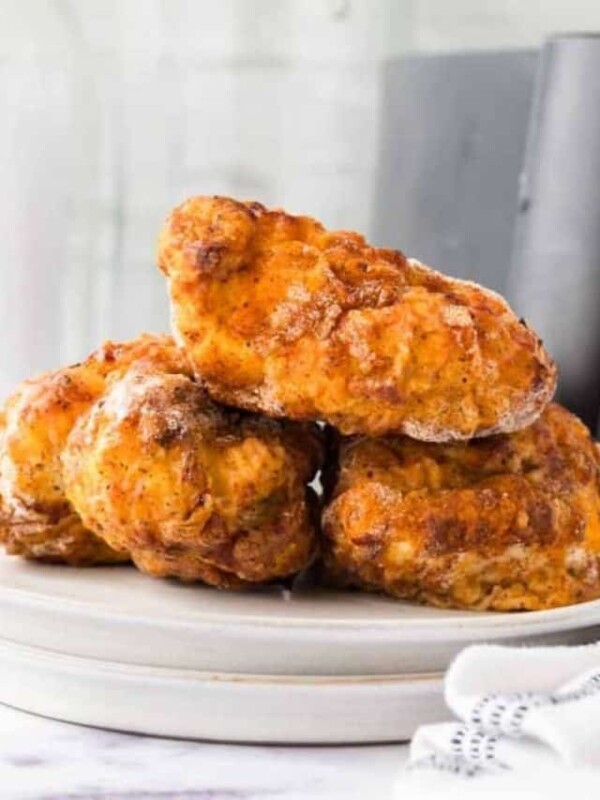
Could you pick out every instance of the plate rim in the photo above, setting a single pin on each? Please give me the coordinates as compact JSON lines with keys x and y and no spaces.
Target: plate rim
{"x":153,"y":671}
{"x":514,"y":624}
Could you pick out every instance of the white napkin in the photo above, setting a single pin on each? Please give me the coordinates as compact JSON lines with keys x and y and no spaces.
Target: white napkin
{"x":520,"y":710}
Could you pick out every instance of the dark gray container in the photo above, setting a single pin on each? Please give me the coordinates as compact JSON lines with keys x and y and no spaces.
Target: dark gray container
{"x":555,"y":274}
{"x":453,"y":133}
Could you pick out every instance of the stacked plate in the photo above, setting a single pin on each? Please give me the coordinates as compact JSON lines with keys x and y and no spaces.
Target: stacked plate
{"x":111,"y":648}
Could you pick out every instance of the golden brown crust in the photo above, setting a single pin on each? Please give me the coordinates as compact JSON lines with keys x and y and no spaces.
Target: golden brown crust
{"x":505,"y":523}
{"x":66,"y":541}
{"x":279,"y":315}
{"x":192,"y":490}
{"x":36,"y":519}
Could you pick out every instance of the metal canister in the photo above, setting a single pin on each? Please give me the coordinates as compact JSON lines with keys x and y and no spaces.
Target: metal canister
{"x":555,"y":273}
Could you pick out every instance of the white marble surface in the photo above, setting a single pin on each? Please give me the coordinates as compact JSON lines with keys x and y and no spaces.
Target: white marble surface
{"x":49,"y":760}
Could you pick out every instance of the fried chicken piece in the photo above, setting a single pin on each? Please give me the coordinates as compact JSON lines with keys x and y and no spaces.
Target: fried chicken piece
{"x":192,"y":490}
{"x":281,"y":316}
{"x":506,"y":523}
{"x":36,"y":519}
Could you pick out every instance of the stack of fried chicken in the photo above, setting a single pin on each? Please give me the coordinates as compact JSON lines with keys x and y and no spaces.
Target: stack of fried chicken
{"x":424,"y":403}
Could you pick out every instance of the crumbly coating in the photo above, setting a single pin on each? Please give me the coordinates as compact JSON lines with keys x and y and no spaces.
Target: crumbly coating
{"x":192,"y":490}
{"x":505,"y":523}
{"x":281,"y":316}
{"x":36,"y":519}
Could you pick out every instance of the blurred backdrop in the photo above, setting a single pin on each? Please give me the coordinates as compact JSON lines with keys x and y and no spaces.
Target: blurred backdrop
{"x":404,"y":119}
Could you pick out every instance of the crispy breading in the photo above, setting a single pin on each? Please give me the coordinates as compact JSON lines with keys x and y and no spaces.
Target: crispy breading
{"x":281,"y":316}
{"x":36,"y":519}
{"x":192,"y":490}
{"x":507,"y":523}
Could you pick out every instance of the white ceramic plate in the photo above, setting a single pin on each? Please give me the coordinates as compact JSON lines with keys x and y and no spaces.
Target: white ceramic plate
{"x":117,"y":614}
{"x":113,"y":648}
{"x":225,"y":707}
